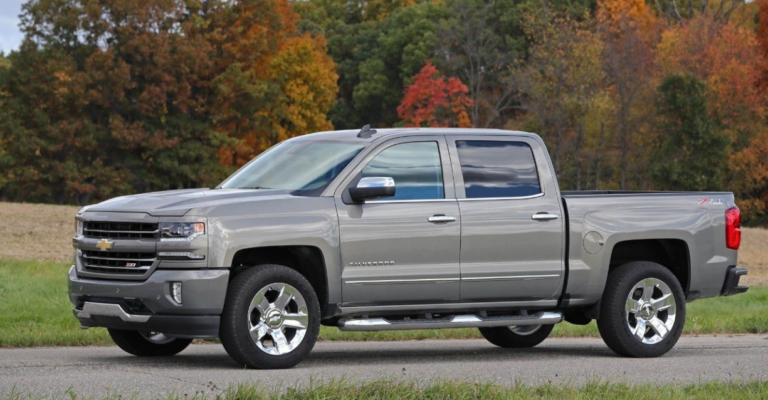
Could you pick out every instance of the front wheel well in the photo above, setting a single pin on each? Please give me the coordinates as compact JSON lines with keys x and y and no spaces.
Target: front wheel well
{"x":306,"y":260}
{"x":670,"y":253}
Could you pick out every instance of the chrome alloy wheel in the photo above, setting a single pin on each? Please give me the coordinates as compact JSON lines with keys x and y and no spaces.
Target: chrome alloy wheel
{"x":650,"y":310}
{"x":278,"y":318}
{"x":525,"y":330}
{"x":156,"y":337}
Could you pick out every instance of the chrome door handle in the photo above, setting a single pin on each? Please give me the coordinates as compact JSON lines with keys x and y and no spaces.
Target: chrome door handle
{"x":544,"y":216}
{"x":436,"y":219}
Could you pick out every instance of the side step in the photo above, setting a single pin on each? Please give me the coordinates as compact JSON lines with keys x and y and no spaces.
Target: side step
{"x":454,"y":321}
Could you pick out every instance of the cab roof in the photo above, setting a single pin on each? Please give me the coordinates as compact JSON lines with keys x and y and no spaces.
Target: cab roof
{"x":352,"y":134}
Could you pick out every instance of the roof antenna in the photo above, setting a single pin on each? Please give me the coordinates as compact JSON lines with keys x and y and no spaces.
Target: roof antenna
{"x":366,"y":132}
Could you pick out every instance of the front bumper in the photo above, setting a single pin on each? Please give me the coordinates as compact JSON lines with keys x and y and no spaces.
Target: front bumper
{"x":149,"y":305}
{"x":731,"y":284}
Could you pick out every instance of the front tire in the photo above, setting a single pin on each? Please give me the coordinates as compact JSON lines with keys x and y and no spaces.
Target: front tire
{"x":271,"y":317}
{"x":148,"y":344}
{"x":517,"y":336}
{"x":643,"y":310}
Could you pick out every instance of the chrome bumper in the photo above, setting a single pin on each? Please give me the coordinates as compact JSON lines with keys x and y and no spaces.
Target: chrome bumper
{"x":108,"y":310}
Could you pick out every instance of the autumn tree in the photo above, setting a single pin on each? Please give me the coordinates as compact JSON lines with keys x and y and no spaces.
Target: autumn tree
{"x":112,"y":97}
{"x":690,"y":152}
{"x":562,"y":87}
{"x":628,"y":32}
{"x":727,"y":59}
{"x":433,"y":100}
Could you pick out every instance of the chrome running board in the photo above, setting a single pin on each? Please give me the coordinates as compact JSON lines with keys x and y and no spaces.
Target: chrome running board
{"x":454,"y":321}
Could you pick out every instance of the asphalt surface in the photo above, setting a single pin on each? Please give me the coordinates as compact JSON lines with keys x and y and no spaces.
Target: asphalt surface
{"x":206,"y":369}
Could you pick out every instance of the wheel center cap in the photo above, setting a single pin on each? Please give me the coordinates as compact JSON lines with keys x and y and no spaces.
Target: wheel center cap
{"x":646,"y":312}
{"x":273,"y":318}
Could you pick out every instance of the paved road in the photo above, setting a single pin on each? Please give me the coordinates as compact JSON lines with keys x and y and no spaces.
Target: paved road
{"x":92,"y":371}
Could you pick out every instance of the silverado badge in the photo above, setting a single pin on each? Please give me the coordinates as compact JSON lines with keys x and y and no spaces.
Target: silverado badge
{"x":105,"y":244}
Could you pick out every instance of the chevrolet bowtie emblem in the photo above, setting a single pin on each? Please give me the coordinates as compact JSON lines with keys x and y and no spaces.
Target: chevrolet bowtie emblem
{"x":105,"y":244}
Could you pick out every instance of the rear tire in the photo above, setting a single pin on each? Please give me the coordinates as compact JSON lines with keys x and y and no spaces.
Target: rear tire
{"x":271,"y":317}
{"x":517,"y":337}
{"x":643,"y":310}
{"x":146,"y":344}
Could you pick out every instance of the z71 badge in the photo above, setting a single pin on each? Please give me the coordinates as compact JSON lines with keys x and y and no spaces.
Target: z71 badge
{"x":710,"y":201}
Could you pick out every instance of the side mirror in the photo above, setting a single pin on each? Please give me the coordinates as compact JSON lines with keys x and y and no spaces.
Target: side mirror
{"x":373,"y":187}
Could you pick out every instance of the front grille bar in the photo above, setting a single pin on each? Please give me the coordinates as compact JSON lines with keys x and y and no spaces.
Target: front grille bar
{"x":143,"y":268}
{"x":120,"y":259}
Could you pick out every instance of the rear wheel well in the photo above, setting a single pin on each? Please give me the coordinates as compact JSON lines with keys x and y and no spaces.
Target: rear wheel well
{"x":306,"y":260}
{"x":670,"y":253}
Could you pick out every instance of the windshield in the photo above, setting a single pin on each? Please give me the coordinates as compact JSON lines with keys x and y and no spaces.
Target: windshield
{"x":304,"y":168}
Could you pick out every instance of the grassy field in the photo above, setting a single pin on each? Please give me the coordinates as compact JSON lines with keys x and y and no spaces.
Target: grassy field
{"x":471,"y":390}
{"x":36,"y":312}
{"x":44,"y":232}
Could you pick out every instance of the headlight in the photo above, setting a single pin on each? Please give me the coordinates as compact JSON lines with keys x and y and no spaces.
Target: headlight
{"x":78,"y":227}
{"x":181,"y":230}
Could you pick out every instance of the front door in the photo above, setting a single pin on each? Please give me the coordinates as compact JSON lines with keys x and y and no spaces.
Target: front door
{"x":512,"y":223}
{"x":403,"y":249}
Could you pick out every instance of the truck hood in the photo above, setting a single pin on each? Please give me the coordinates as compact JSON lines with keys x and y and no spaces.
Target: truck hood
{"x":176,"y":203}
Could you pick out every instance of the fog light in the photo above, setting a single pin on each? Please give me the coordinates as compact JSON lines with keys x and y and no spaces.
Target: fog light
{"x":176,"y":291}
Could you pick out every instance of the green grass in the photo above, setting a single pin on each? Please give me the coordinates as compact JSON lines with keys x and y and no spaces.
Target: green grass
{"x":342,"y":390}
{"x":35,"y":311}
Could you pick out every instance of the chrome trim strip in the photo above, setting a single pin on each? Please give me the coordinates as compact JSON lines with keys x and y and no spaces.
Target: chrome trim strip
{"x":119,"y":259}
{"x":444,"y":280}
{"x":407,"y":201}
{"x":510,"y":278}
{"x":456,"y":321}
{"x":143,"y":268}
{"x":533,"y":196}
{"x":392,"y":281}
{"x":113,"y":231}
{"x":108,"y":310}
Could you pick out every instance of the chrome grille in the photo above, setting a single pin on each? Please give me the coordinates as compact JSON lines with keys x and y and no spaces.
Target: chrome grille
{"x":119,"y":230}
{"x":118,"y":262}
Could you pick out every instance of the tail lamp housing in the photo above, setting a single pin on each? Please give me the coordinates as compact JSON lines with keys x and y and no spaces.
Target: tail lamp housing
{"x":733,"y":228}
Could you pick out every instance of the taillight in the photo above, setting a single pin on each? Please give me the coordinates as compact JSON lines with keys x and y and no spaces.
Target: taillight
{"x":733,"y":228}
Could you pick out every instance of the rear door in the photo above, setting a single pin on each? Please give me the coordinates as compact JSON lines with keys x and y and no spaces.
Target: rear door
{"x":512,"y":227}
{"x":404,"y":249}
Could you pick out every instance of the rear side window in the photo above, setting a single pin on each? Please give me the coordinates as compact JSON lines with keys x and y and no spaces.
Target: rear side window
{"x":497,"y":169}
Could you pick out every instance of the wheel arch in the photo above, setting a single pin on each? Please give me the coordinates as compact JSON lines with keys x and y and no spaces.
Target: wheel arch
{"x":673,"y":254}
{"x":306,"y":260}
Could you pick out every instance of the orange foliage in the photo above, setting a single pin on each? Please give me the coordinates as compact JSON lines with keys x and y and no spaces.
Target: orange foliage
{"x":615,"y":13}
{"x":730,"y":60}
{"x":274,"y":85}
{"x":432,"y":100}
{"x":762,"y":40}
{"x":726,"y":57}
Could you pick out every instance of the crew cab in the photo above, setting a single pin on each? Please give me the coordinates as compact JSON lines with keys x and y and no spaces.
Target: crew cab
{"x":395,"y":229}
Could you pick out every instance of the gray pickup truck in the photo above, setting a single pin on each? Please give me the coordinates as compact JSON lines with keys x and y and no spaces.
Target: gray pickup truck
{"x":398,"y":229}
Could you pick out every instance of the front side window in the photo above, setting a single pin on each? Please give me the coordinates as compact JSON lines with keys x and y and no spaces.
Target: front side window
{"x":415,"y":167}
{"x":303,"y":168}
{"x":497,"y":169}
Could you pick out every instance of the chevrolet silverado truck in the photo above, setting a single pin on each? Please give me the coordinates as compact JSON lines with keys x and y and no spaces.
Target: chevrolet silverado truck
{"x":394,"y":229}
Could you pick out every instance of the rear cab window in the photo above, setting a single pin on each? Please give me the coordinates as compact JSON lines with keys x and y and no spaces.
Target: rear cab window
{"x":498,"y":169}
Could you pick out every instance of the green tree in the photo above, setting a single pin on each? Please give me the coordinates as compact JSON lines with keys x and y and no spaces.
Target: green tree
{"x":692,"y":152}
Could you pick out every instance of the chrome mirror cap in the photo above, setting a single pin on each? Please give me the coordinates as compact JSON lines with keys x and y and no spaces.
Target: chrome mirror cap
{"x":375,"y":182}
{"x":373,"y":187}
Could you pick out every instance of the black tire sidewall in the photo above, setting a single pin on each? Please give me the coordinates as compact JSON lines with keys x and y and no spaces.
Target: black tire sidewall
{"x":234,"y":330}
{"x":612,"y":322}
{"x":132,"y":342}
{"x":506,"y":338}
